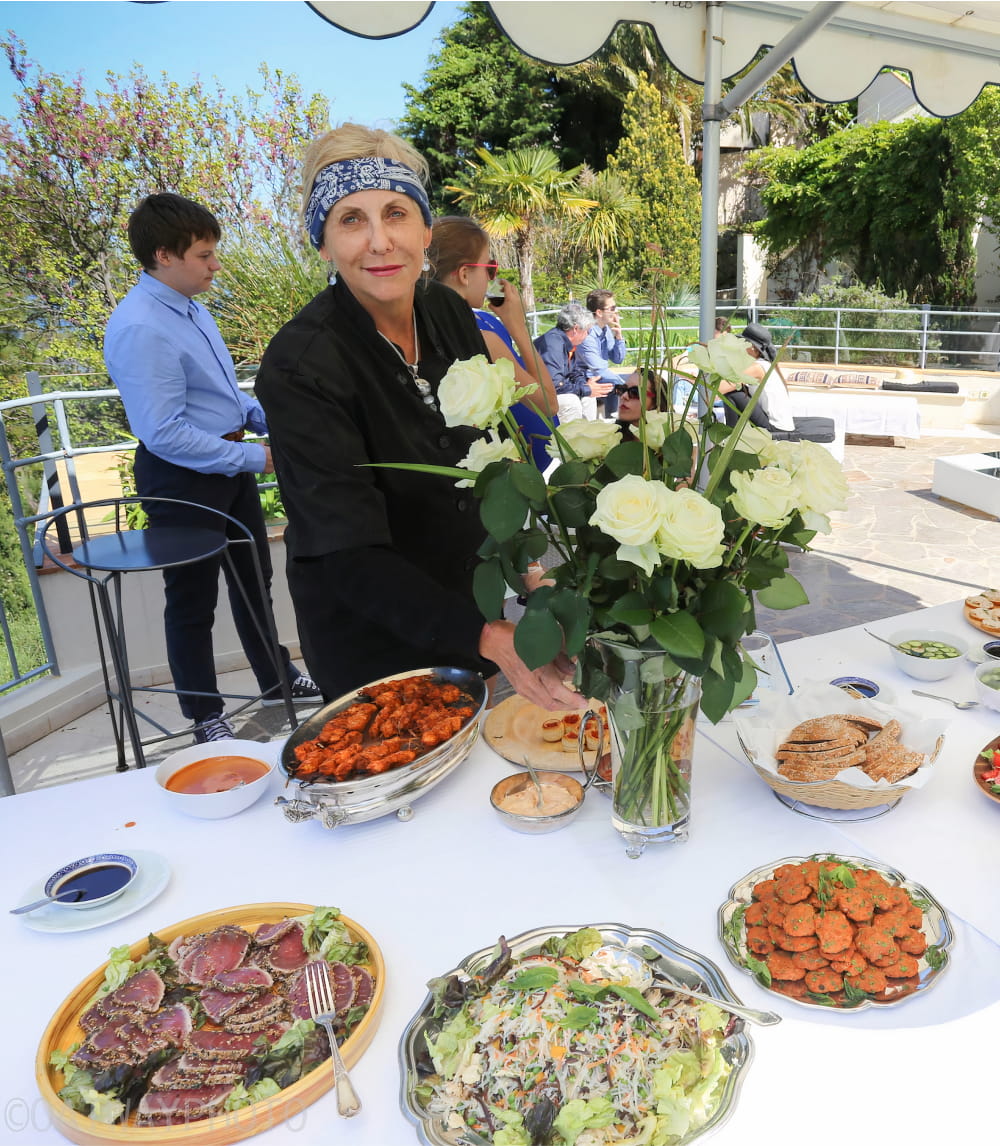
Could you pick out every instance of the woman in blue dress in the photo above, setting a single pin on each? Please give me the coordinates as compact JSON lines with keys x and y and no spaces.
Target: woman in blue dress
{"x":460,"y":257}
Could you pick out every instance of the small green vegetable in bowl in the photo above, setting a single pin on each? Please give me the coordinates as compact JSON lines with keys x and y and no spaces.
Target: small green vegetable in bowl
{"x":990,"y":676}
{"x":929,"y":650}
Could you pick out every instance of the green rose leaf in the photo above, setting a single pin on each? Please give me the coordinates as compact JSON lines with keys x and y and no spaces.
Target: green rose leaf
{"x":628,"y":458}
{"x":632,"y":609}
{"x":678,"y":451}
{"x":487,"y":475}
{"x":680,"y":634}
{"x":538,"y":637}
{"x":716,"y":696}
{"x":530,"y":483}
{"x":488,"y":586}
{"x":569,"y":473}
{"x":614,"y":570}
{"x":572,"y":505}
{"x":723,"y":610}
{"x":785,"y":593}
{"x":503,"y":509}
{"x":573,"y":614}
{"x":663,"y":590}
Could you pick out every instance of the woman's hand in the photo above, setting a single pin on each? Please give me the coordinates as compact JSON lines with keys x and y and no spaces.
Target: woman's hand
{"x":543,"y":686}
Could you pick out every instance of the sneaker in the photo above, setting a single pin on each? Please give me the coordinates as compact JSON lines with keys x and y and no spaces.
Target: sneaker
{"x":213,"y":729}
{"x":304,"y":691}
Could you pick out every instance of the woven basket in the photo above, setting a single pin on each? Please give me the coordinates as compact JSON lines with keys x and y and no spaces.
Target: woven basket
{"x":831,"y":793}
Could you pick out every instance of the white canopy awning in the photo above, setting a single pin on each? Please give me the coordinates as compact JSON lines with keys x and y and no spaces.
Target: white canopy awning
{"x":951,"y":48}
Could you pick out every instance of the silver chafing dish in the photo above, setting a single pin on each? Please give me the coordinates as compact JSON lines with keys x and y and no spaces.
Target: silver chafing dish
{"x":354,"y":801}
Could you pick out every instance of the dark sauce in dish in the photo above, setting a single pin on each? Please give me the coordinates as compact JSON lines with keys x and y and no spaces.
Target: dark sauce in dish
{"x":95,"y":882}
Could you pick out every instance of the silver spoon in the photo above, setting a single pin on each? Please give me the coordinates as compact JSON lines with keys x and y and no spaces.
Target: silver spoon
{"x":962,"y":704}
{"x":891,"y":644}
{"x":648,"y":975}
{"x":78,"y":893}
{"x":538,"y":784}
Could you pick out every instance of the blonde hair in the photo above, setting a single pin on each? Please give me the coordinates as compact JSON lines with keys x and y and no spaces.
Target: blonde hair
{"x":352,"y":141}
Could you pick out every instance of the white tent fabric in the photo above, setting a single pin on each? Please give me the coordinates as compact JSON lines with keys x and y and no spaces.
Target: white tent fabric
{"x":951,"y":49}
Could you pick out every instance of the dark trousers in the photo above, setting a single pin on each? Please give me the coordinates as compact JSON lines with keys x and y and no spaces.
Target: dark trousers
{"x":192,"y":591}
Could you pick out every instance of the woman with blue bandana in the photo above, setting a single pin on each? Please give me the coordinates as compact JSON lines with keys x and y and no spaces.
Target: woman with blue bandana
{"x":380,"y":561}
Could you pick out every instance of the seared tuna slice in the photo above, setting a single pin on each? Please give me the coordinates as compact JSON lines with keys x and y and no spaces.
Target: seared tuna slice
{"x":143,"y":990}
{"x":257,"y":1015}
{"x":287,"y":954}
{"x":220,"y":1045}
{"x":165,"y":1107}
{"x":298,"y":996}
{"x":364,"y":987}
{"x":211,"y":953}
{"x":173,"y":1024}
{"x":218,"y":1004}
{"x":269,"y":933}
{"x":187,"y":1073}
{"x":243,"y":979}
{"x":343,"y":986}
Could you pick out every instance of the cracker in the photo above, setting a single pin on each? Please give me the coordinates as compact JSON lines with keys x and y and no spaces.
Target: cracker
{"x":810,"y":769}
{"x":893,"y":764}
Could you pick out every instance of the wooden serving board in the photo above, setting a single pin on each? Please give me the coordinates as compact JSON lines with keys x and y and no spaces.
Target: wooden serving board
{"x":64,"y":1030}
{"x":514,"y":730}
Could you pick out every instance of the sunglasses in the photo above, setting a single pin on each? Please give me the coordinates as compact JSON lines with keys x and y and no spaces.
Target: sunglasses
{"x":631,"y":391}
{"x":491,"y":268}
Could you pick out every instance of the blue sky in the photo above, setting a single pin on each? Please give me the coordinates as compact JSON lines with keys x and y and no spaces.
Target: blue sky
{"x":227,"y":39}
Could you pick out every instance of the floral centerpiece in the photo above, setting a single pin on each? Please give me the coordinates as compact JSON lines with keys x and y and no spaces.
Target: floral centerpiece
{"x":663,"y":542}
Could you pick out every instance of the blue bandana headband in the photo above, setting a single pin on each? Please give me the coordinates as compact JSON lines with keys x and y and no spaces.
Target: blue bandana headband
{"x":373,"y":173}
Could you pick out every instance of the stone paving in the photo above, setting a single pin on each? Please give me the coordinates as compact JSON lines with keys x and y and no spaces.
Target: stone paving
{"x":895,"y":548}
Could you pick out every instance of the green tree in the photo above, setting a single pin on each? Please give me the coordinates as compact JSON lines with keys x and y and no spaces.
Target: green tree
{"x":512,"y":194}
{"x":479,"y":91}
{"x":72,"y":166}
{"x":608,"y":224}
{"x":896,"y":201}
{"x":649,"y":164}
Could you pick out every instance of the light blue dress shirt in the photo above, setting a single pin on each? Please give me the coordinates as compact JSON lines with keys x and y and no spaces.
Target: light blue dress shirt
{"x":598,"y":349}
{"x":177,"y":381}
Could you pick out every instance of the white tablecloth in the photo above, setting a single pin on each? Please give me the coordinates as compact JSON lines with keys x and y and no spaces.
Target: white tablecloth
{"x":872,"y":414}
{"x":453,"y":878}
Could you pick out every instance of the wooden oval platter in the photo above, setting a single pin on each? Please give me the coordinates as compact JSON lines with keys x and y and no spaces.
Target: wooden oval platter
{"x":982,"y":766}
{"x":990,"y":608}
{"x":514,"y":730}
{"x":64,"y":1030}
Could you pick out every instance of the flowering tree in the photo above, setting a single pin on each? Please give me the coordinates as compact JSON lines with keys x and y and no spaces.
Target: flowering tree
{"x":72,"y":167}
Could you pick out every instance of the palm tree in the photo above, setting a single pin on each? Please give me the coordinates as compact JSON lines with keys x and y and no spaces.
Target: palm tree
{"x":511,"y":193}
{"x":609,"y":223}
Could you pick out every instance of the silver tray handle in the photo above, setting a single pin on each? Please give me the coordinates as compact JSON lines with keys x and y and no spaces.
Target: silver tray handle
{"x":296,"y":811}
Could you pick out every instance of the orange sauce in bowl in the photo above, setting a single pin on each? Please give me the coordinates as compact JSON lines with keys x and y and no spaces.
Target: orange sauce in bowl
{"x":216,"y":774}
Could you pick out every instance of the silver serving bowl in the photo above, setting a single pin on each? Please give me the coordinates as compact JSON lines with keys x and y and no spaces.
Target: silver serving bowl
{"x":354,"y":801}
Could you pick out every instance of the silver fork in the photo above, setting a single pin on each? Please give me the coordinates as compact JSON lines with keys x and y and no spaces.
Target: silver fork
{"x":322,"y":1010}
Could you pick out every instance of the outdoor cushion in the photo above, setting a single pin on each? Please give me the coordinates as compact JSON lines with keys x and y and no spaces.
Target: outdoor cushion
{"x":835,"y":378}
{"x":925,"y":386}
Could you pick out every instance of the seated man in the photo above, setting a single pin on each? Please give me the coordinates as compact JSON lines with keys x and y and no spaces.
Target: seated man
{"x":576,"y":391}
{"x":604,"y":345}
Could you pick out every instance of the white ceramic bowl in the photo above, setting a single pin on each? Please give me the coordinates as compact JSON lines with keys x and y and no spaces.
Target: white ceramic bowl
{"x":921,"y":668}
{"x":98,"y":867}
{"x":217,"y":805}
{"x":987,"y":695}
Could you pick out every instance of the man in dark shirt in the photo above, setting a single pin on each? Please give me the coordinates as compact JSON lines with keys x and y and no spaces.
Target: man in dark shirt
{"x":576,"y":391}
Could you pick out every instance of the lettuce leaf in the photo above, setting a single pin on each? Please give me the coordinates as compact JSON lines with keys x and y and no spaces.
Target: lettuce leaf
{"x":581,"y":1114}
{"x":245,"y":1096}
{"x":454,"y":1043}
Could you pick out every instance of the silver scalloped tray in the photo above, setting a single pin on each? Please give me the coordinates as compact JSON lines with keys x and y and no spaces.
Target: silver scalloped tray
{"x":686,"y":967}
{"x":937,"y":927}
{"x":354,"y":801}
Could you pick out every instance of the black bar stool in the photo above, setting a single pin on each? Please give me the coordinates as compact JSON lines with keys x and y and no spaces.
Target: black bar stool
{"x":102,"y":561}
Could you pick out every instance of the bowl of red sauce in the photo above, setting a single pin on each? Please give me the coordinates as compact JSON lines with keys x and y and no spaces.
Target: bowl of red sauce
{"x":213,"y":781}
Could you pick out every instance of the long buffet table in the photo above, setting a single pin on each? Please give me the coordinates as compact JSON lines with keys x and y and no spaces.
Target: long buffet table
{"x":453,"y":878}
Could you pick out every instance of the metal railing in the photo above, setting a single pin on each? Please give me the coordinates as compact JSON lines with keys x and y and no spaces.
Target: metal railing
{"x":921,"y":337}
{"x":57,"y":456}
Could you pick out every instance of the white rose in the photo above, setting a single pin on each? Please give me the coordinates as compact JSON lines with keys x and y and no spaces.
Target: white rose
{"x":819,"y":479}
{"x":692,"y":530}
{"x":631,"y":510}
{"x":477,"y":392}
{"x":725,"y":356}
{"x":588,"y":440}
{"x":482,"y":452}
{"x":658,"y":425}
{"x":767,"y":496}
{"x":754,"y":440}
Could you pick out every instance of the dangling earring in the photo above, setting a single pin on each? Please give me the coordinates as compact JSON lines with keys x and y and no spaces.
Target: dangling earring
{"x":427,"y":264}
{"x":331,"y":277}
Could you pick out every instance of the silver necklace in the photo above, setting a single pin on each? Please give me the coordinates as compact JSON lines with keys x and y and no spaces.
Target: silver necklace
{"x":413,"y":367}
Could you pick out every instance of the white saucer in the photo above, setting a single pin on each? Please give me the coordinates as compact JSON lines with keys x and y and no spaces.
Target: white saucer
{"x":152,"y":878}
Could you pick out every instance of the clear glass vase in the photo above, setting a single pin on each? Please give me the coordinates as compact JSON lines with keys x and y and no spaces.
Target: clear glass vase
{"x":652,"y":718}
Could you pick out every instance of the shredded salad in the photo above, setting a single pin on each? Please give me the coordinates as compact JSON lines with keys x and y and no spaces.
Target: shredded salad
{"x":562,"y":1049}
